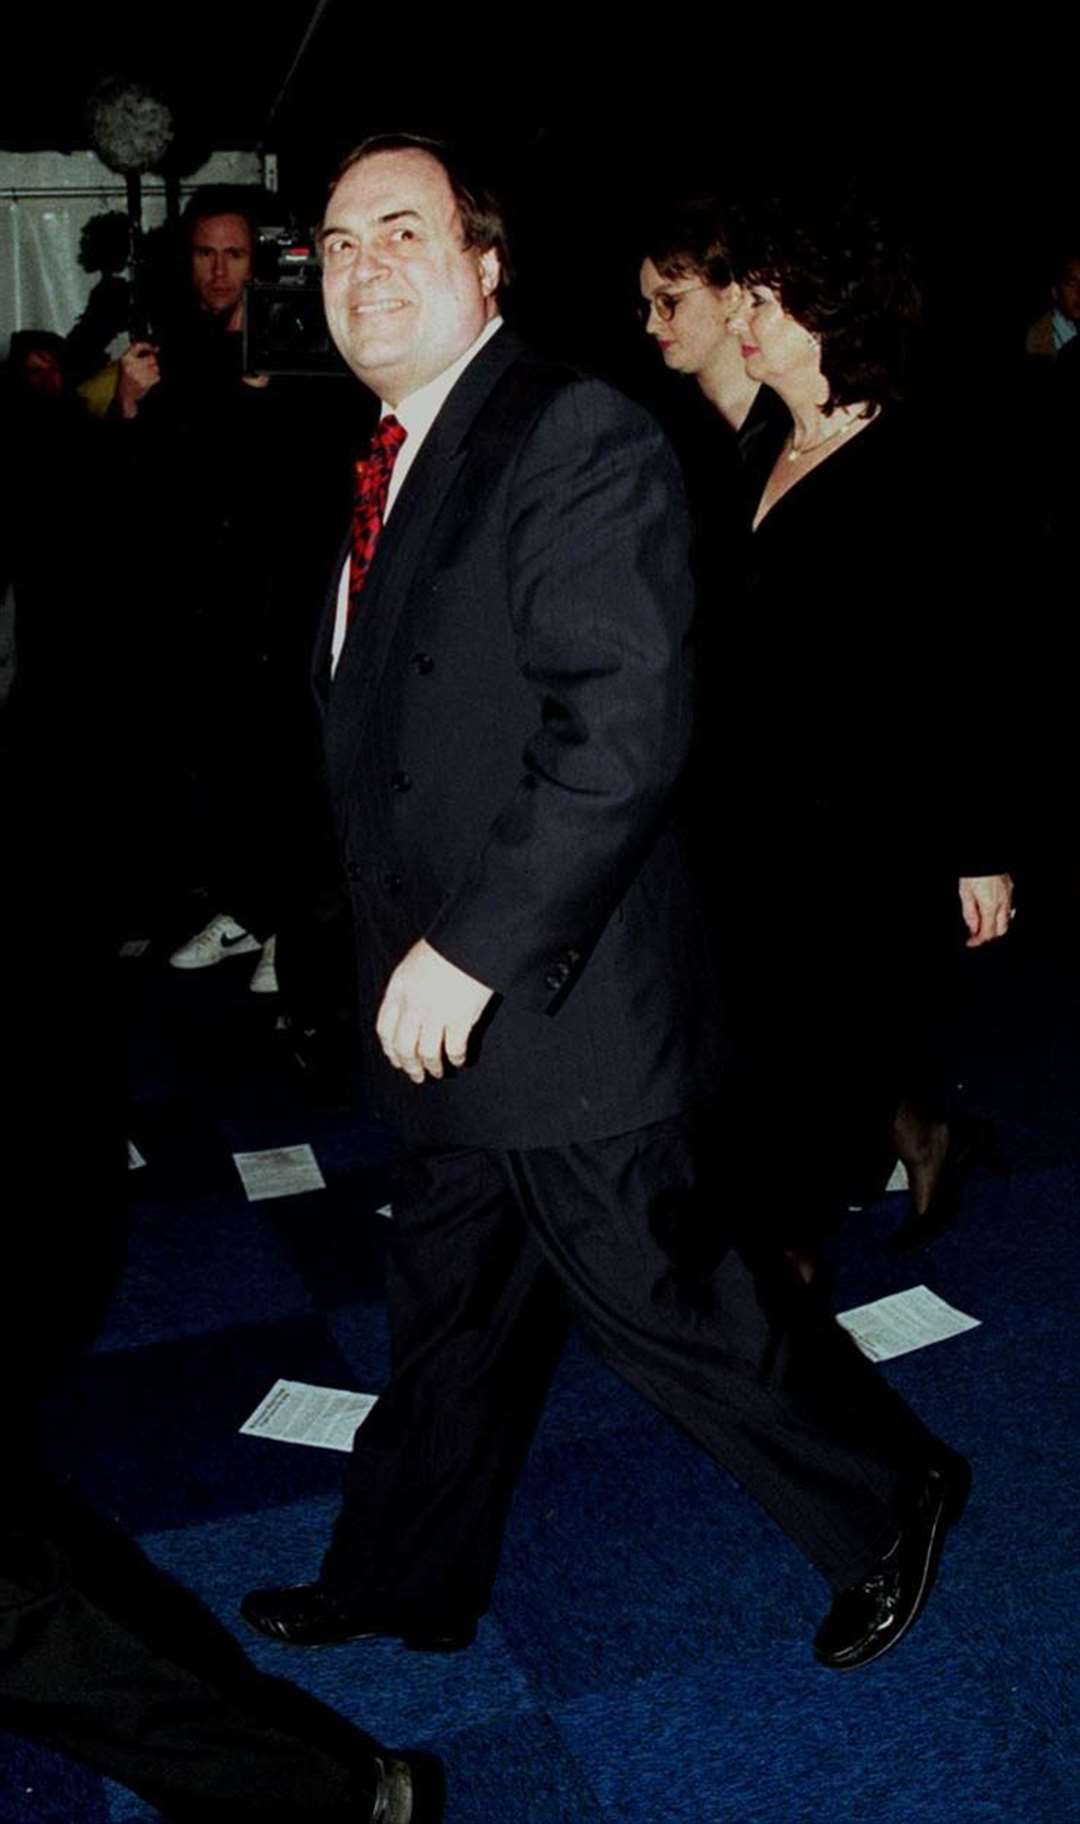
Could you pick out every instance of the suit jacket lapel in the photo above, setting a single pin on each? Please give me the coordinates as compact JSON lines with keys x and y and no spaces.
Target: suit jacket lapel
{"x":405,"y":539}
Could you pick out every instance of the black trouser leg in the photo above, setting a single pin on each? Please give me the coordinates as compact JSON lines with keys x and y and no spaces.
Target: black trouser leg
{"x":477,"y":1327}
{"x":104,"y":1660}
{"x":740,"y":1354}
{"x":736,"y":1350}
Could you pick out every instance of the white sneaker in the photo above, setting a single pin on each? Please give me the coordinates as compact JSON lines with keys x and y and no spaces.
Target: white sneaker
{"x":215,"y":943}
{"x":264,"y":980}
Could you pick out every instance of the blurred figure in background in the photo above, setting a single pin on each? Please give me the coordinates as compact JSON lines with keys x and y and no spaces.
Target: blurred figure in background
{"x":53,"y":534}
{"x":200,"y":450}
{"x":1057,"y":327}
{"x":102,"y":1657}
{"x":104,"y":248}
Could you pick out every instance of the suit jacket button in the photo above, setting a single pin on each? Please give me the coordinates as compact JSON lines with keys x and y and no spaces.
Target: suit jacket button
{"x":392,"y":884}
{"x":422,"y":663}
{"x":353,"y":869}
{"x":400,"y":782}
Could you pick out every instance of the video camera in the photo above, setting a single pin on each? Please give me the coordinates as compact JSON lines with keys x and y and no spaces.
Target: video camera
{"x":284,"y":325}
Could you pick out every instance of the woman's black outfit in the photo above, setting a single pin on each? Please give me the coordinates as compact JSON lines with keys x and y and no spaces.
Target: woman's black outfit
{"x":853,"y":801}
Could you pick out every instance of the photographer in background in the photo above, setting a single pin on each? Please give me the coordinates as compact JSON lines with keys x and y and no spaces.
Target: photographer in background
{"x":194,"y":577}
{"x":225,"y":471}
{"x":203,"y":335}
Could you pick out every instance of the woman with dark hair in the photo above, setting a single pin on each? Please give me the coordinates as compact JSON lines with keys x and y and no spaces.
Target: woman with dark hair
{"x":834,"y":314}
{"x":867,"y":801}
{"x":688,"y":293}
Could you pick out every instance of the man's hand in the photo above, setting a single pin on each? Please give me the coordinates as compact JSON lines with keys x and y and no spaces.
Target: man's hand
{"x":986,"y":902}
{"x":430,"y":1007}
{"x":139,"y":371}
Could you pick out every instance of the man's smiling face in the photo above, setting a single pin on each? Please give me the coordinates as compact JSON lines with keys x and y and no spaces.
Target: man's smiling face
{"x":404,"y":297}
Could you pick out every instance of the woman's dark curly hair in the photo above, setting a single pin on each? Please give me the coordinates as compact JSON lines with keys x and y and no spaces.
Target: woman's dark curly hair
{"x":845,"y":277}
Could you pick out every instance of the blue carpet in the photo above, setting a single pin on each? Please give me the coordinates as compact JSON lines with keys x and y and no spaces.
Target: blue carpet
{"x":647,"y":1656}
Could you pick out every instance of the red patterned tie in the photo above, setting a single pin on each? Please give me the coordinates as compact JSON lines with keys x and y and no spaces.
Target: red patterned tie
{"x":373,"y":474}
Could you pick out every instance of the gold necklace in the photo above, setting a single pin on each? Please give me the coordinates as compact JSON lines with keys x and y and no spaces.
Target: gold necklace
{"x":841,"y":430}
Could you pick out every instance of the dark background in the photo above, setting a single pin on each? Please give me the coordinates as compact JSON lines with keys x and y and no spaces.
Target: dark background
{"x":584,"y":120}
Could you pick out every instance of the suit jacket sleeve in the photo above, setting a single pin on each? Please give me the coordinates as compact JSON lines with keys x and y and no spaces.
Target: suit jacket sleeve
{"x":600,"y":600}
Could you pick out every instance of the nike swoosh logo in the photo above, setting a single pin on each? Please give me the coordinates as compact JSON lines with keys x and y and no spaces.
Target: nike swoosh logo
{"x":227,"y":942}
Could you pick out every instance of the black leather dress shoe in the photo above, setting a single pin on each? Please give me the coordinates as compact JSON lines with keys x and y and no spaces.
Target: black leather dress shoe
{"x":870,"y":1617}
{"x":310,"y":1616}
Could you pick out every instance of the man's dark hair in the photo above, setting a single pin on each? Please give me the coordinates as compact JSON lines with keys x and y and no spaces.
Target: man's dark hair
{"x":846,"y":277}
{"x":483,"y":224}
{"x":691,"y":239}
{"x":221,"y":199}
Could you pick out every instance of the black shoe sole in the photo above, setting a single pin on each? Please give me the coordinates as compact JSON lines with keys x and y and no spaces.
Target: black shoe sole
{"x":415,"y":1643}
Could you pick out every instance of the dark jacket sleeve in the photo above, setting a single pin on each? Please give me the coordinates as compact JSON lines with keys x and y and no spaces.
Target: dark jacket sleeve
{"x":600,"y":600}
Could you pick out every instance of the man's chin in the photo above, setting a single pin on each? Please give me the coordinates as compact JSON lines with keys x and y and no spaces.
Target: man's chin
{"x":373,"y":365}
{"x":219,"y":307}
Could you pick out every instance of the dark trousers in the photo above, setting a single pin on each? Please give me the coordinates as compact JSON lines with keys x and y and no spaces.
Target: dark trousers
{"x":490,"y":1252}
{"x":105,"y":1660}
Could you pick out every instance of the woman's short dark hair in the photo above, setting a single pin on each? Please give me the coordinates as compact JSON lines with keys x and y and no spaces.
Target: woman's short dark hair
{"x":482,"y":221}
{"x":691,"y":239}
{"x":840,"y":272}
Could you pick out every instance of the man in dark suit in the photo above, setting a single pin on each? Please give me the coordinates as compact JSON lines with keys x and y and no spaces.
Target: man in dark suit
{"x":506,"y":709}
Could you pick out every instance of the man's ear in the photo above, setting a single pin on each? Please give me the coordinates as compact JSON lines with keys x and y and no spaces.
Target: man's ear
{"x":490,"y":272}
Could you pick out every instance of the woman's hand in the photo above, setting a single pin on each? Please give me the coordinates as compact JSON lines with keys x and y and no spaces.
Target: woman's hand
{"x":986,"y":903}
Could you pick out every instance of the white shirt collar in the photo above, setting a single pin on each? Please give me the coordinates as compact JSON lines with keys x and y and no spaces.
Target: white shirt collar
{"x":419,"y":410}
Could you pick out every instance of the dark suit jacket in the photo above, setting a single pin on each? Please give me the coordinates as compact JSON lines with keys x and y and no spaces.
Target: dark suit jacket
{"x":506,"y":725}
